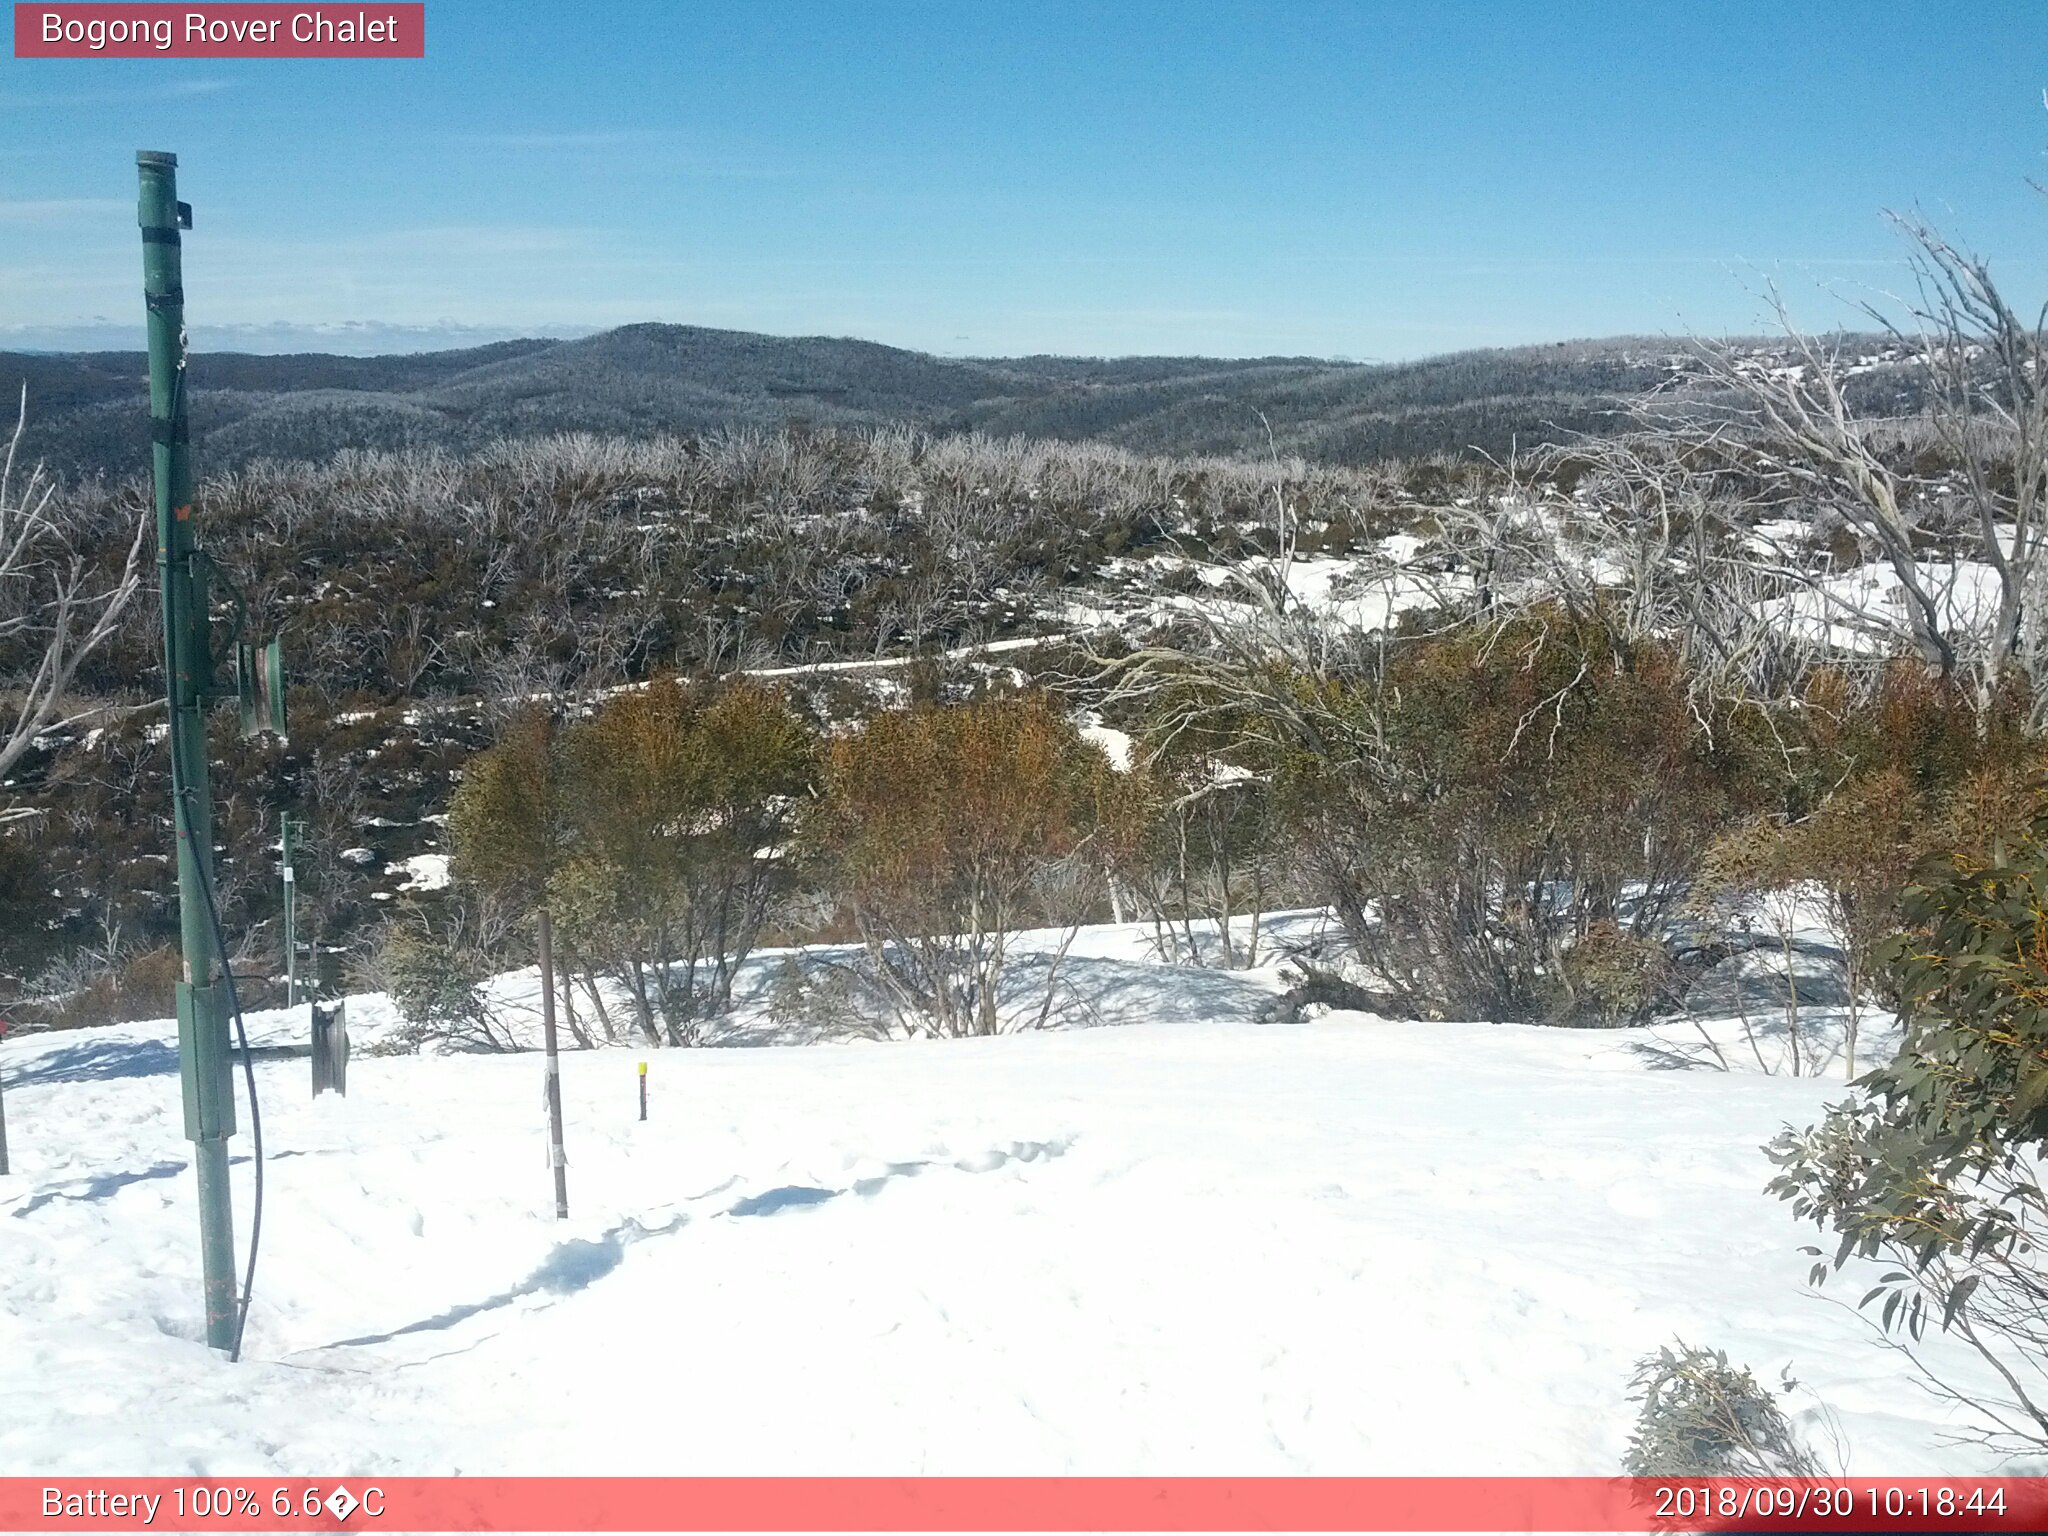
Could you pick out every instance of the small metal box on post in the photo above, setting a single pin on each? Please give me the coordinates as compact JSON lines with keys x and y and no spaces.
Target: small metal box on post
{"x":330,"y":1049}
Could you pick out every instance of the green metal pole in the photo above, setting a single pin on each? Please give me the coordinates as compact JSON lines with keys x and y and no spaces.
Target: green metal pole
{"x":188,"y":670}
{"x":291,"y":925}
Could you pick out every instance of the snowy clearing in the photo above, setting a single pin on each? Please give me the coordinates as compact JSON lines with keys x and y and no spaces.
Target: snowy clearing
{"x":1181,"y":1247}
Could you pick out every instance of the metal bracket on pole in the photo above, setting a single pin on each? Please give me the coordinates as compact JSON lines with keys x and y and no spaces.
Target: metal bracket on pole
{"x":259,"y":687}
{"x":209,"y":1086}
{"x":330,"y":1049}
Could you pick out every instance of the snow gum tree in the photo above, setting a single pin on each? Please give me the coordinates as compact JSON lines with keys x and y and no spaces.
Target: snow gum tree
{"x":1980,"y":368}
{"x":506,"y":818}
{"x":1474,"y":804}
{"x":679,"y":806}
{"x":507,"y":823}
{"x":940,"y":825}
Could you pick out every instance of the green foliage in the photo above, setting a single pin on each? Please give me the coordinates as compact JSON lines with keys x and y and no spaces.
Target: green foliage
{"x":824,"y":1002}
{"x":788,"y":992}
{"x":1925,"y":732}
{"x":1875,"y":784}
{"x":1861,"y":846}
{"x":1936,"y":1168}
{"x":677,"y":807}
{"x":1702,"y":1417}
{"x":1474,"y":804}
{"x":1968,"y":1091}
{"x":506,"y":815}
{"x":436,"y":982}
{"x":1619,"y":975}
{"x":938,"y":825}
{"x":1191,"y":830}
{"x":936,"y":811}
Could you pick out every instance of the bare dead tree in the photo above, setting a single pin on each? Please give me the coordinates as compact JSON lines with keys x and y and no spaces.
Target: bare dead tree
{"x":1649,"y":536}
{"x":1798,"y":434}
{"x":1286,"y":526}
{"x":412,"y":647}
{"x":53,"y":613}
{"x":1987,"y":368}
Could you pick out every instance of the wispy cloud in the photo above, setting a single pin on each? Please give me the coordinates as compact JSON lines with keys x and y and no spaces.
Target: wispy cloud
{"x":663,"y":147}
{"x":53,"y":212}
{"x":457,"y":242}
{"x":112,"y":95}
{"x":616,"y":138}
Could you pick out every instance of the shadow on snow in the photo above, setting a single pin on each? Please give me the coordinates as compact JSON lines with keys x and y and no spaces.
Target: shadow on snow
{"x":581,"y":1262}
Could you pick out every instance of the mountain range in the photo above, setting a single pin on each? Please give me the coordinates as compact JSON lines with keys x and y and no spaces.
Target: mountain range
{"x":87,"y":411}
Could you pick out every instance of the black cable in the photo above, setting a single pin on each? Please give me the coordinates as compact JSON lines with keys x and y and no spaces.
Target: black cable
{"x":227,"y":972}
{"x":182,"y":793}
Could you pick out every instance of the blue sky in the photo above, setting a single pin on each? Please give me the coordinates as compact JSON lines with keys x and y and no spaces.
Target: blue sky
{"x":1340,"y":179}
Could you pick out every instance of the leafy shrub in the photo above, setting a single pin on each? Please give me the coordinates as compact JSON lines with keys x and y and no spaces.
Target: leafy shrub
{"x":436,"y":983}
{"x":1190,"y":837}
{"x":938,"y":825}
{"x":1476,"y":804}
{"x":656,"y":832}
{"x":1702,"y":1417}
{"x":1937,"y":1168}
{"x":1617,"y":977}
{"x":1317,"y":992}
{"x":120,"y":986}
{"x":679,"y":811}
{"x":826,"y":1001}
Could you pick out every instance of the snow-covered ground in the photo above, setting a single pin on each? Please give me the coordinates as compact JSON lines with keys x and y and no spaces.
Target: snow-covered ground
{"x":1191,"y":1245}
{"x":1863,"y":609}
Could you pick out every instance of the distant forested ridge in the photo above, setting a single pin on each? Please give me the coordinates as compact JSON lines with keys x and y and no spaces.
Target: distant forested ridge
{"x":88,"y":411}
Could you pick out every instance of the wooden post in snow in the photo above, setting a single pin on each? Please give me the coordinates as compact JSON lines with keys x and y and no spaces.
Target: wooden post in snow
{"x":556,"y":1159}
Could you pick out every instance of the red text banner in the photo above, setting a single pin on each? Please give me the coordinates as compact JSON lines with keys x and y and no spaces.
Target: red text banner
{"x":1024,"y":1504}
{"x":233,"y":31}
